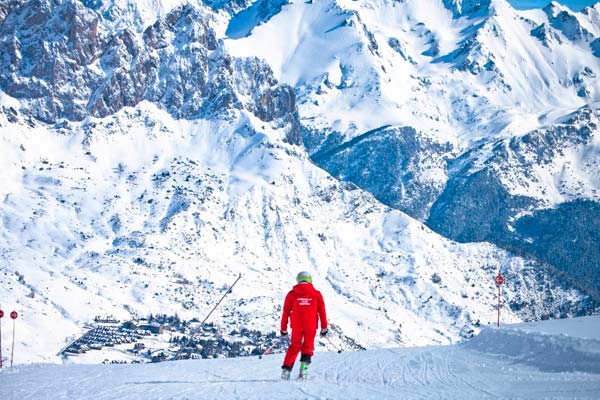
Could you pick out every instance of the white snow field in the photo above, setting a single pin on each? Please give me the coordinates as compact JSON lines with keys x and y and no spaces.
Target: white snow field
{"x":546,"y":360}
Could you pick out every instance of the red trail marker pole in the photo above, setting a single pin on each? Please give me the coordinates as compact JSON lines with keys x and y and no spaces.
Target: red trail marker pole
{"x":498,"y":324}
{"x":14,"y":316}
{"x":499,"y":281}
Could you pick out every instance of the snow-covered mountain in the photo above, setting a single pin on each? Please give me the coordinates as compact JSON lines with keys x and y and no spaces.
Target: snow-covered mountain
{"x":469,"y":115}
{"x":142,"y":213}
{"x":542,"y":189}
{"x":152,"y":151}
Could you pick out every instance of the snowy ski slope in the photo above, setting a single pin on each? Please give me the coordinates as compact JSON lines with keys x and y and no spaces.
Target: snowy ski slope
{"x":553,"y":359}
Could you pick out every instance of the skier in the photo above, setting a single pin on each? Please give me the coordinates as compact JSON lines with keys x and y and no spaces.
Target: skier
{"x":303,"y":306}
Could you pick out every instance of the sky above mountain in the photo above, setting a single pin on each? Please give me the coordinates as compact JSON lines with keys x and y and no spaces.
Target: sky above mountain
{"x":574,"y":5}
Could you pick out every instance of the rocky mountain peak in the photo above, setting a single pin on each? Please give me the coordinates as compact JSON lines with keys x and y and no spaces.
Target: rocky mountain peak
{"x":82,"y":69}
{"x":565,"y":21}
{"x":470,"y":8}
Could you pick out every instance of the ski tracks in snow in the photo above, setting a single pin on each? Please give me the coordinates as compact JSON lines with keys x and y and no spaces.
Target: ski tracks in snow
{"x":443,"y":372}
{"x":410,"y":373}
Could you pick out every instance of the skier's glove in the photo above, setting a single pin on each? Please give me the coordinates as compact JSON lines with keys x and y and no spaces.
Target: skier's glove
{"x":324,"y":332}
{"x":283,"y":333}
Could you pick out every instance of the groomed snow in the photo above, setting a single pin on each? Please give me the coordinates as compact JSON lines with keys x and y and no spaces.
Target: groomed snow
{"x":557,"y":365}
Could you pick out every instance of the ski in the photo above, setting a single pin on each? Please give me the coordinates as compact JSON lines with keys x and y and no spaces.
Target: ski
{"x":303,"y":371}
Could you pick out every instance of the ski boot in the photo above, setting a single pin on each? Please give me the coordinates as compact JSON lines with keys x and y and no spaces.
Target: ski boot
{"x":303,"y":370}
{"x":285,"y":373}
{"x":305,"y":360}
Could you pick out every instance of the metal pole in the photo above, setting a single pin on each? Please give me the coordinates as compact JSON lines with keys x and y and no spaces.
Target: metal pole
{"x":498,"y":306}
{"x":206,"y":318}
{"x":275,"y":343}
{"x":339,"y":350}
{"x":12,"y":353}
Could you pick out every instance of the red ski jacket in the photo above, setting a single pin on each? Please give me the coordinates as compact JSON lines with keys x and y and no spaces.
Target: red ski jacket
{"x":303,"y":306}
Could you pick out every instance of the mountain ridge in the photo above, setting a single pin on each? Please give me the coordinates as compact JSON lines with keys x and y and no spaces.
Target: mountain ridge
{"x":486,"y":74}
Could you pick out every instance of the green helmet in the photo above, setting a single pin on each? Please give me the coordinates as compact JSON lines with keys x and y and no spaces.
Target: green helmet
{"x":303,"y":276}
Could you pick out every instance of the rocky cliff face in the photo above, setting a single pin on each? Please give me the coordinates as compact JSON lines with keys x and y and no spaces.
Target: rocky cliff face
{"x":64,"y":64}
{"x":467,"y":7}
{"x":401,"y":167}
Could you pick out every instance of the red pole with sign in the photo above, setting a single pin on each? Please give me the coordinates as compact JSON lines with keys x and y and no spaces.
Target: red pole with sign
{"x":498,"y":324}
{"x":14,"y":316}
{"x":1,"y":316}
{"x":499,"y":281}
